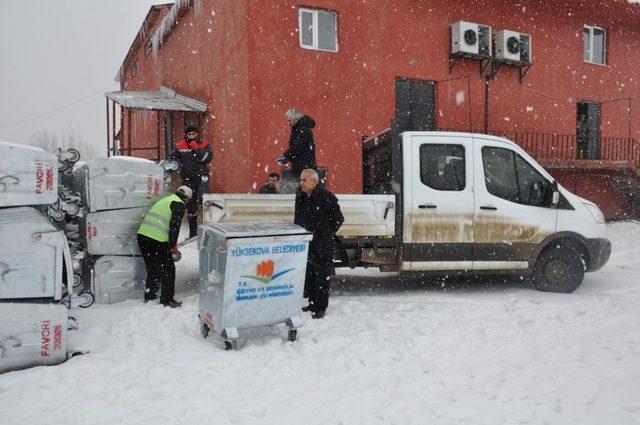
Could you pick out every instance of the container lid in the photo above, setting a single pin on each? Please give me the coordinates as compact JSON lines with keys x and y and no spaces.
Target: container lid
{"x":256,"y":229}
{"x":24,"y":215}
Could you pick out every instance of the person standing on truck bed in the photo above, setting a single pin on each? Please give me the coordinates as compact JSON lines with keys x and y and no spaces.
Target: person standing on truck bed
{"x":194,"y":156}
{"x":302,"y":148}
{"x":157,"y":239}
{"x":317,"y":210}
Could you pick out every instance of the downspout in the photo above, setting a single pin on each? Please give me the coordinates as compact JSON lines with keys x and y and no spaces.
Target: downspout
{"x":486,"y":105}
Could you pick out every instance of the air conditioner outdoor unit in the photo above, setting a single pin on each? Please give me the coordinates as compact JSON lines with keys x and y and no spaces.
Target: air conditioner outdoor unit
{"x":513,"y":47}
{"x":470,"y":39}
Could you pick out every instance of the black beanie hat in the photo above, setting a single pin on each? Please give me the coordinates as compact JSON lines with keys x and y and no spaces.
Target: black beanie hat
{"x":191,"y":127}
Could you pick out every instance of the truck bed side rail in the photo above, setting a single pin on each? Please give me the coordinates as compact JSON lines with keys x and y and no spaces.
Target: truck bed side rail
{"x":365,"y":215}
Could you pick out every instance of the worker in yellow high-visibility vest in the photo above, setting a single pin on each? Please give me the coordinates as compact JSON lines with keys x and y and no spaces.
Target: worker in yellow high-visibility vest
{"x":157,"y":238}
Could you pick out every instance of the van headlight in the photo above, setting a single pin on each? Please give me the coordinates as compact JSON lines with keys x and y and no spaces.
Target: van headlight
{"x":595,"y":212}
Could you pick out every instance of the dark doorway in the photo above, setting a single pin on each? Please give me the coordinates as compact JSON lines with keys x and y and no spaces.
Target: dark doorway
{"x":588,"y":130}
{"x":415,"y":105}
{"x":168,"y":133}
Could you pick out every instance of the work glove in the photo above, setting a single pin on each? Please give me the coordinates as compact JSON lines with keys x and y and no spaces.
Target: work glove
{"x":281,"y":161}
{"x":175,"y":254}
{"x":205,"y":178}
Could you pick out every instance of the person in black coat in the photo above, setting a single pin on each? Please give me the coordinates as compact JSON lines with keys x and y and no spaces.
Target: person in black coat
{"x":302,"y":148}
{"x":317,"y":210}
{"x":194,"y":156}
{"x":272,"y":186}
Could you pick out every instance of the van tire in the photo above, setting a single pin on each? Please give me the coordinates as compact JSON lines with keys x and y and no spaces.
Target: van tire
{"x":558,"y":269}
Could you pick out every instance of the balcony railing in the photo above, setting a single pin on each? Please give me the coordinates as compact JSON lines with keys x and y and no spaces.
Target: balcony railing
{"x":565,"y":147}
{"x":620,"y":149}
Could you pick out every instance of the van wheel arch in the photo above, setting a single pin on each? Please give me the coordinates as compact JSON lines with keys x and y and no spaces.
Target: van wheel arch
{"x":568,"y":241}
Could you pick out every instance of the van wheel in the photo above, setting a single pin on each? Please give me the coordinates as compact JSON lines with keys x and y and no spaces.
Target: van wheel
{"x":558,"y":270}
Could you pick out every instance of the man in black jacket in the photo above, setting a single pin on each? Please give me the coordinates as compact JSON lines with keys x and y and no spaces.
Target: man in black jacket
{"x":194,"y":156}
{"x":272,"y":186}
{"x":317,"y":210}
{"x":302,"y":148}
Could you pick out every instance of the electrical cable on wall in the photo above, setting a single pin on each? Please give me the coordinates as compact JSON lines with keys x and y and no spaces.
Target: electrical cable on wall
{"x":574,"y":101}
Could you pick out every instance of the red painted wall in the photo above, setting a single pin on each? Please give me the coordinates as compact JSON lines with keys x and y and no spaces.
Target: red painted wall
{"x":595,"y":185}
{"x":243,"y":59}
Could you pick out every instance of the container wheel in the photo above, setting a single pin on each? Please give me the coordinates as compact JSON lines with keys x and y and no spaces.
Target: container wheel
{"x":293,"y":335}
{"x":88,"y":299}
{"x":77,"y":280}
{"x":74,"y":155}
{"x":230,"y":345}
{"x":55,"y":214}
{"x":72,"y":209}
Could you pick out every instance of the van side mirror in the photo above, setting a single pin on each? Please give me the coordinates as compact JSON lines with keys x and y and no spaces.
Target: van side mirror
{"x":556,"y":194}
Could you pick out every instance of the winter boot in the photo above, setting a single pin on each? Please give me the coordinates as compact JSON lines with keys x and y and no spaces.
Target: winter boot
{"x":172,"y":304}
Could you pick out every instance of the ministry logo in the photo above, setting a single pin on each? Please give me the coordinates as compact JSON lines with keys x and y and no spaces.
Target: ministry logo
{"x":265,"y":272}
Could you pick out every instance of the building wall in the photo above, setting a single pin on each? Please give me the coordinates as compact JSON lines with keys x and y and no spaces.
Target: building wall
{"x":243,"y":59}
{"x":143,"y":132}
{"x":205,"y":57}
{"x":351,"y":93}
{"x":146,"y":78}
{"x":595,"y":185}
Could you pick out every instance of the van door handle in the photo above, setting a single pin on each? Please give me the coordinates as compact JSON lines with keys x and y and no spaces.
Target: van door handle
{"x":488,"y":207}
{"x":425,"y":206}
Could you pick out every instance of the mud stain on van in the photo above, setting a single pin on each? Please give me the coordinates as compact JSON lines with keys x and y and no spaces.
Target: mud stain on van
{"x":427,"y":228}
{"x":500,"y":230}
{"x":437,"y":228}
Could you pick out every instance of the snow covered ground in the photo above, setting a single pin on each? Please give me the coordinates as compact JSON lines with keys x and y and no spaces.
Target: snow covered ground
{"x":388,"y":352}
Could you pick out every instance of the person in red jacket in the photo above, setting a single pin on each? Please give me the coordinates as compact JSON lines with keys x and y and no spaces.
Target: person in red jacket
{"x":194,"y":156}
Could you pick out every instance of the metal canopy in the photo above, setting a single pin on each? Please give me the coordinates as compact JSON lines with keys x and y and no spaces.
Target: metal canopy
{"x":164,"y":100}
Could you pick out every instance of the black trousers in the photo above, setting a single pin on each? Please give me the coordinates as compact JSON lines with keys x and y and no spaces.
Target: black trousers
{"x":317,"y":283}
{"x":192,"y":207}
{"x":161,"y":272}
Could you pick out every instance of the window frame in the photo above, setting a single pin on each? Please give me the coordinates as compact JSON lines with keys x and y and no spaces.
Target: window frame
{"x":464,"y":165}
{"x":515,"y":173}
{"x":515,"y":155}
{"x":315,"y":29}
{"x":591,"y":29}
{"x":135,"y":68}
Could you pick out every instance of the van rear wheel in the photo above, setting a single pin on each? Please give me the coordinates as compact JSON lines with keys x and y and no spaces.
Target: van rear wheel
{"x":558,"y":269}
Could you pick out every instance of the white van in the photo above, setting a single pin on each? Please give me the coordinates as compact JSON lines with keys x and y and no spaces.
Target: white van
{"x":442,"y":203}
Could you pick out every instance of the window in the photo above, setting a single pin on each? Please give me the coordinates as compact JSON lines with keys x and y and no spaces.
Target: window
{"x":442,"y":167}
{"x":134,"y":68}
{"x":594,"y":45}
{"x":531,"y":185}
{"x":509,"y":176}
{"x":500,"y":173}
{"x":318,"y":29}
{"x":148,"y":48}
